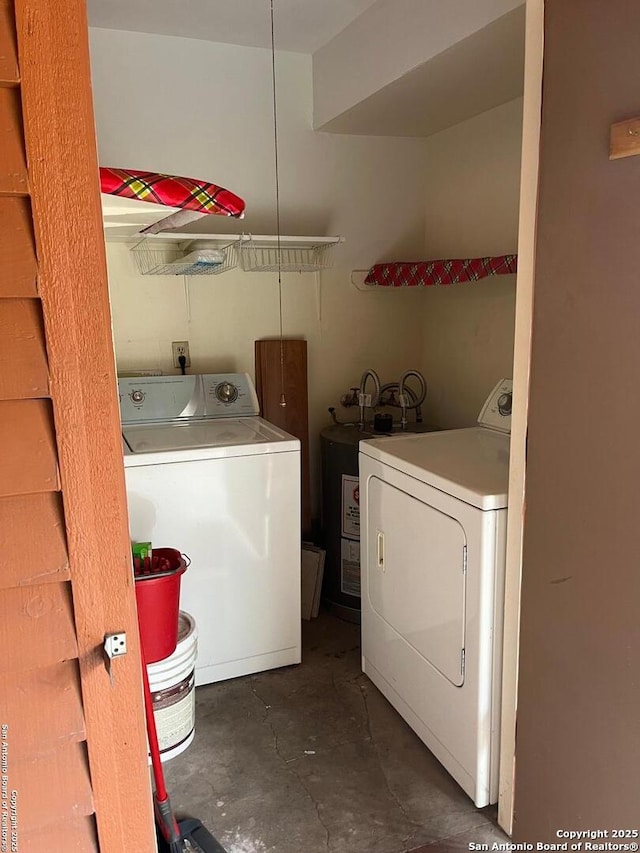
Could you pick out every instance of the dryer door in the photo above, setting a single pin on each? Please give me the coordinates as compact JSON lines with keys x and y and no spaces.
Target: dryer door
{"x":416,"y":575}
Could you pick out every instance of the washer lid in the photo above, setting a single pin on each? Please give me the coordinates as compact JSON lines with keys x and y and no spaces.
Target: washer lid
{"x":194,"y":435}
{"x":469,"y":464}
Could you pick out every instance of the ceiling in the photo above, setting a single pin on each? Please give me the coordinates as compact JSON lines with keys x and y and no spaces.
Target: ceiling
{"x":474,"y":75}
{"x":301,"y":26}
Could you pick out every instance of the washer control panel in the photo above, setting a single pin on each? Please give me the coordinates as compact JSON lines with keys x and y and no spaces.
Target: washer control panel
{"x":496,"y":412}
{"x":229,"y":395}
{"x":226,"y":392}
{"x":156,"y":399}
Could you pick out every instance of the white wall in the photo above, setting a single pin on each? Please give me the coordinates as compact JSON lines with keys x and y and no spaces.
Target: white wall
{"x":200,"y":109}
{"x":195,"y":108}
{"x":205,"y":110}
{"x":473,"y":176}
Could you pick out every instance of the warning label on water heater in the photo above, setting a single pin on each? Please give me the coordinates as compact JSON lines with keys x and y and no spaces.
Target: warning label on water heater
{"x":350,"y":507}
{"x":350,"y":567}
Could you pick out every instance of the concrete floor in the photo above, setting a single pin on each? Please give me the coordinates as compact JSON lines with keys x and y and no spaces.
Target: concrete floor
{"x":312,"y":758}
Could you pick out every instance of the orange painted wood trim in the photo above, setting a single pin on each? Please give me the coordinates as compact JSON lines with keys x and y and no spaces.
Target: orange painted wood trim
{"x":30,"y":614}
{"x":22,"y":351}
{"x":8,"y":56}
{"x":32,"y":540}
{"x":28,"y":458}
{"x":18,"y":272}
{"x":79,"y":836}
{"x":45,"y":713}
{"x":46,"y":786}
{"x":53,"y":56}
{"x":13,"y":168}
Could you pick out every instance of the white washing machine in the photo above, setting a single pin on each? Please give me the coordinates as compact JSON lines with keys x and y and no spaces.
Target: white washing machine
{"x":433,"y":552}
{"x":207,"y":476}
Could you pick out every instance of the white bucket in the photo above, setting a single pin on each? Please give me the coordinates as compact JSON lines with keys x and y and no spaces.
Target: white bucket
{"x":172,"y":684}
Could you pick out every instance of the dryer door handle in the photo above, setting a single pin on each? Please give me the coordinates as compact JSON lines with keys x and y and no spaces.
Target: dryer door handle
{"x":380,"y":550}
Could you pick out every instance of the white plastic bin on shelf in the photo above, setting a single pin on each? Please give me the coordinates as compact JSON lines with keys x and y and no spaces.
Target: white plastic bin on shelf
{"x":172,"y":684}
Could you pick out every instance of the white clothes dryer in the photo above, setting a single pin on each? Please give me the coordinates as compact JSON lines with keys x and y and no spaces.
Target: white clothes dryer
{"x":433,"y":551}
{"x":206,"y":475}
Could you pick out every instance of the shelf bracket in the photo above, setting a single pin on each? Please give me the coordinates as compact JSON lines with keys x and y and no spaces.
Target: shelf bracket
{"x":318,"y":278}
{"x":357,"y":280}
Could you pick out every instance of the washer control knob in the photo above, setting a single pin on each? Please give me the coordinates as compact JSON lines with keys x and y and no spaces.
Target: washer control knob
{"x":226,"y":392}
{"x":504,"y":403}
{"x":137,"y":396}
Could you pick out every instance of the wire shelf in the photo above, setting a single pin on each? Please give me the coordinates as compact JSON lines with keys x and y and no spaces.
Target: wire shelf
{"x":188,"y":258}
{"x":310,"y":258}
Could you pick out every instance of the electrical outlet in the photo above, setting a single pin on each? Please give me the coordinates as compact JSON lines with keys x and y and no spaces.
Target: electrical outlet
{"x":180,"y":348}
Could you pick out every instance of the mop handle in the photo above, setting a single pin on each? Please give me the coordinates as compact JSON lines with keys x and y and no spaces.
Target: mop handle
{"x":154,"y":749}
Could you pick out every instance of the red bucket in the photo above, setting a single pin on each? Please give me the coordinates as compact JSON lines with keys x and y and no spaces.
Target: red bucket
{"x":158,"y":598}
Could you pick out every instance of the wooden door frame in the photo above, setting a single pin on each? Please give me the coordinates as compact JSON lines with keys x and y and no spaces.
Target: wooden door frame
{"x":59,"y":132}
{"x":531,"y":122}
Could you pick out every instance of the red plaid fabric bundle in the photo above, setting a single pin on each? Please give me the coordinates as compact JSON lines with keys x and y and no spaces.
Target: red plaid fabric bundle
{"x":172,"y":191}
{"x":428,"y":273}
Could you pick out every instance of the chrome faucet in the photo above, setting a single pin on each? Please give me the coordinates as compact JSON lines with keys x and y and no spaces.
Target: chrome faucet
{"x":402,"y":396}
{"x":366,"y":401}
